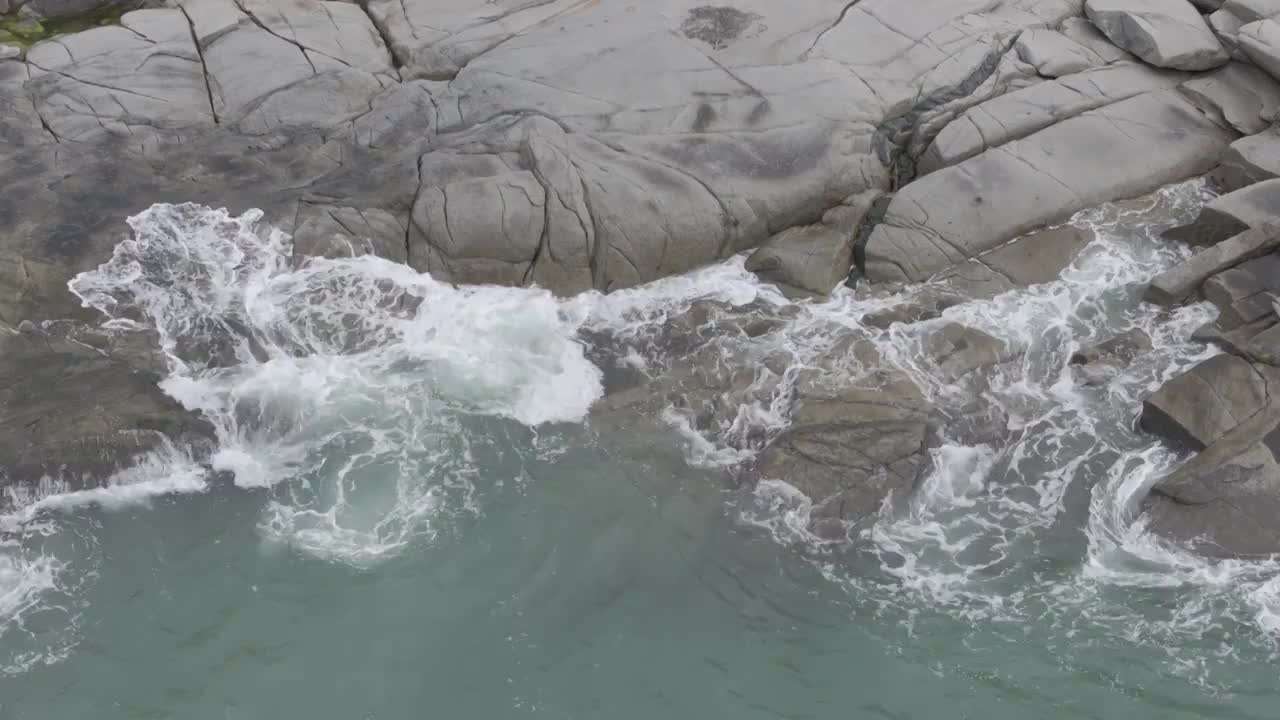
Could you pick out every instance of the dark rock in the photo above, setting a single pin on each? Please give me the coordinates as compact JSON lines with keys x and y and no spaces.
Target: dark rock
{"x":1096,"y":364}
{"x":78,"y":414}
{"x":849,"y":449}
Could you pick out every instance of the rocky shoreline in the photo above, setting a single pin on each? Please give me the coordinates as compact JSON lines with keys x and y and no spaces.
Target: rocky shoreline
{"x":579,"y":145}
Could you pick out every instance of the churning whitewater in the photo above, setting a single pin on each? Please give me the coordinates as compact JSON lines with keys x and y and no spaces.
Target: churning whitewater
{"x":370,"y":407}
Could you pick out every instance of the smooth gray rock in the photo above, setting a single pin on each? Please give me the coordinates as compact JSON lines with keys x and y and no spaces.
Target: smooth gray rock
{"x":1260,"y":41}
{"x":1020,"y":113}
{"x":1164,"y":33}
{"x":1245,"y":97}
{"x":1231,"y":214}
{"x":1198,"y":407}
{"x":273,"y":65}
{"x":139,"y":79}
{"x":1122,"y":150}
{"x":10,"y":52}
{"x":1224,"y":501}
{"x":1249,"y":160}
{"x":1183,"y":280}
{"x":1084,"y":32}
{"x":1245,"y":293}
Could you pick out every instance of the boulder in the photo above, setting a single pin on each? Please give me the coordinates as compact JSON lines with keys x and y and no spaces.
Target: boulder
{"x":809,"y":258}
{"x":1245,"y":293}
{"x":1098,"y":363}
{"x":813,"y":258}
{"x":1249,"y":160}
{"x":1260,"y":42}
{"x":1227,"y":27}
{"x":1183,"y":280}
{"x":1231,"y":214}
{"x":1083,"y":32}
{"x":1198,"y":407}
{"x":1125,"y":149}
{"x":1053,"y":54}
{"x":959,"y":350}
{"x":1245,"y":97}
{"x":1224,"y":501}
{"x":1164,"y":33}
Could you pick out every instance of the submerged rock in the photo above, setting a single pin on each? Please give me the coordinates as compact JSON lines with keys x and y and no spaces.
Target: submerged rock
{"x":851,"y":449}
{"x":77,"y":414}
{"x":1098,"y":363}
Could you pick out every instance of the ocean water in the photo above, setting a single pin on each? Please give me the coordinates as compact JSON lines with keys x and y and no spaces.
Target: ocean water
{"x":426,"y":505}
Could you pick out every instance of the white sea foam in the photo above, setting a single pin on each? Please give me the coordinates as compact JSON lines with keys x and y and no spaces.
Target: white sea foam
{"x":344,"y":385}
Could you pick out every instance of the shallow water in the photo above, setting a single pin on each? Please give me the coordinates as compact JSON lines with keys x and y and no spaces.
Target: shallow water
{"x":435,"y":514}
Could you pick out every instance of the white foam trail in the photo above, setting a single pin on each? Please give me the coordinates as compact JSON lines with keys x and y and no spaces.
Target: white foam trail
{"x":344,"y":385}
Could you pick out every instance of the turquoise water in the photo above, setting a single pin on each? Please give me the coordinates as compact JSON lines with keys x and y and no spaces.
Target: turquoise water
{"x":436,"y":515}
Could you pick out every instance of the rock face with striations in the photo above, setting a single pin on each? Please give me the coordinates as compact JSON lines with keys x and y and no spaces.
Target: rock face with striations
{"x":1164,"y":33}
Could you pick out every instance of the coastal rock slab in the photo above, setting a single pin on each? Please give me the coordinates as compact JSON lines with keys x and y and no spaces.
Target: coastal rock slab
{"x":287,"y":64}
{"x":141,"y":77}
{"x":1020,"y":113}
{"x":1245,"y":97}
{"x":73,"y":414}
{"x":1122,"y":150}
{"x":1164,"y":33}
{"x":1183,"y":280}
{"x":1200,"y":406}
{"x":1037,"y":257}
{"x":1231,"y":214}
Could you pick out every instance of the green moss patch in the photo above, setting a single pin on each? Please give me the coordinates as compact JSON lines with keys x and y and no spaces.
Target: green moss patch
{"x":25,"y":32}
